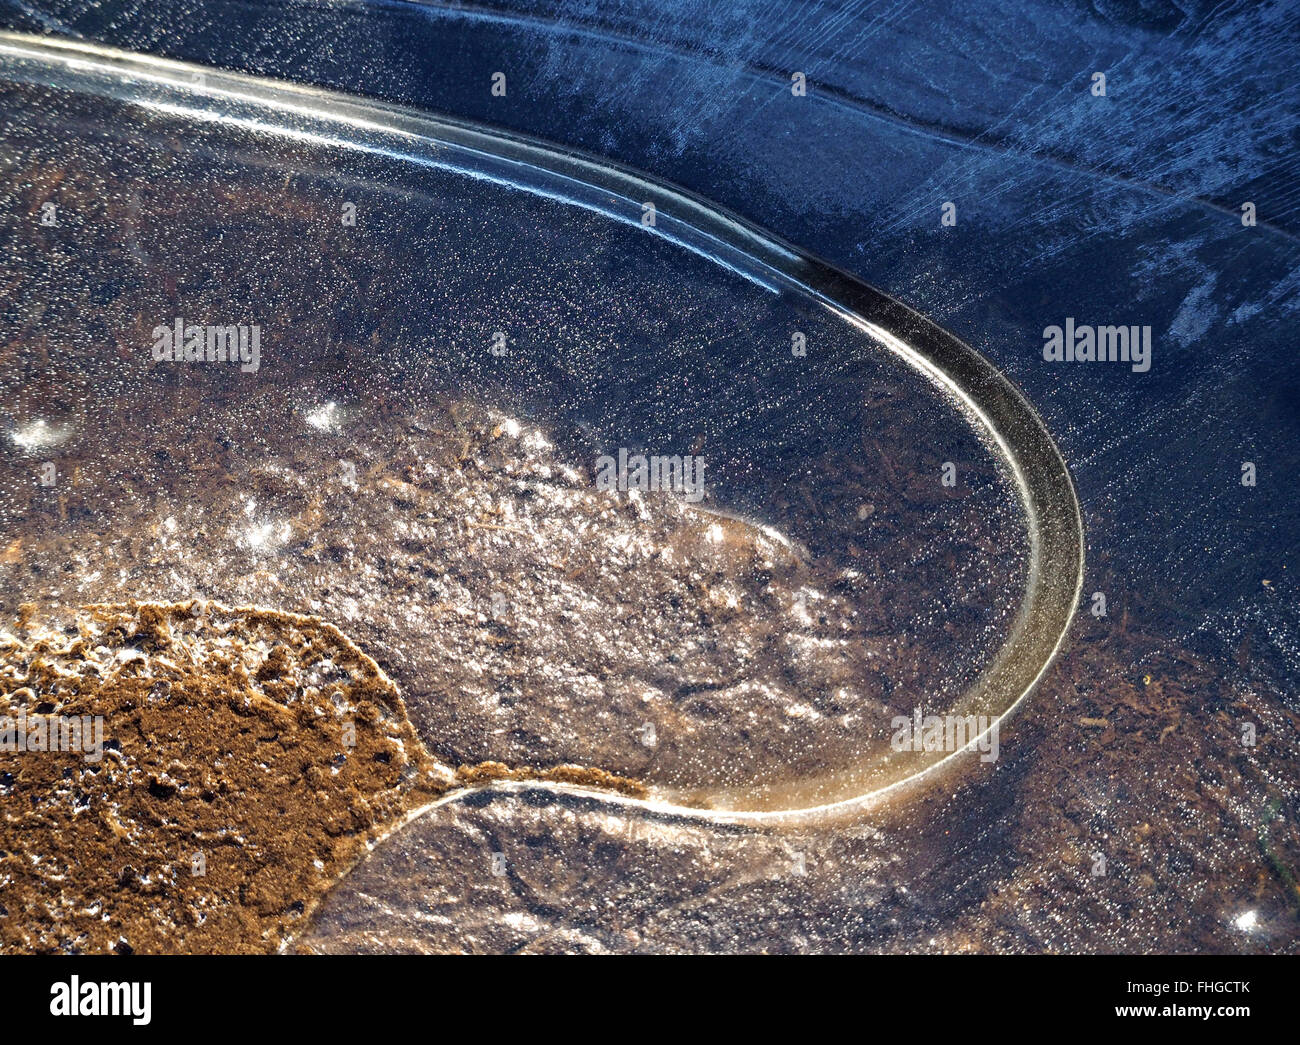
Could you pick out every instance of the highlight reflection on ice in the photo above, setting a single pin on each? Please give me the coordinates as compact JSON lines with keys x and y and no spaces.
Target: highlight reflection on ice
{"x":40,"y":435}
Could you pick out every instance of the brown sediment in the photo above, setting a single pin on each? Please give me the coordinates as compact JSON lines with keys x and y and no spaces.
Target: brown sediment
{"x":248,"y":757}
{"x":1143,"y":762}
{"x":580,"y":776}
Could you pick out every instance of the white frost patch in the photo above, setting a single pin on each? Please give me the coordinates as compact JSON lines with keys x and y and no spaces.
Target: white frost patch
{"x":267,"y":535}
{"x":40,"y":435}
{"x":522,"y":921}
{"x":326,"y":418}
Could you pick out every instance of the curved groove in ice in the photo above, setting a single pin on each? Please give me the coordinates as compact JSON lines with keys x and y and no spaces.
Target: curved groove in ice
{"x":1054,"y":527}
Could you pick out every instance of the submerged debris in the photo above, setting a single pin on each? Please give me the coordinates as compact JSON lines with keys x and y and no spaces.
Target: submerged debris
{"x":246,"y":756}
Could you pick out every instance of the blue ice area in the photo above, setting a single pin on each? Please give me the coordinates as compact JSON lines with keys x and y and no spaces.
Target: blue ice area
{"x":1115,"y":209}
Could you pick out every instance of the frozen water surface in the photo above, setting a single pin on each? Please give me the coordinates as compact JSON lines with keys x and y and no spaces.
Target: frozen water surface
{"x":398,"y":468}
{"x":594,"y":484}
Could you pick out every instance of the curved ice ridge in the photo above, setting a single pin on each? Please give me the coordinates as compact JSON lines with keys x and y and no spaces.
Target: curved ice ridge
{"x":989,"y":400}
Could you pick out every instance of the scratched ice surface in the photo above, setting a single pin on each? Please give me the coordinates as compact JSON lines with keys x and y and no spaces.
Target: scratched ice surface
{"x":1117,"y":210}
